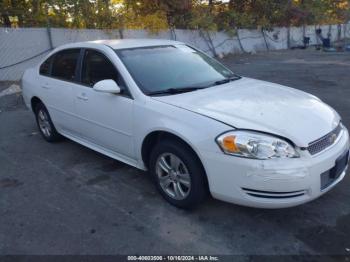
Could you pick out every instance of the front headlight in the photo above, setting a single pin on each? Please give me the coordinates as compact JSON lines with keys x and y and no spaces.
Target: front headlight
{"x":255,"y":145}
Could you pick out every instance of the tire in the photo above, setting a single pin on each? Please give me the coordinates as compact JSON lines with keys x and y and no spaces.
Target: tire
{"x":169,"y":176}
{"x":45,"y":125}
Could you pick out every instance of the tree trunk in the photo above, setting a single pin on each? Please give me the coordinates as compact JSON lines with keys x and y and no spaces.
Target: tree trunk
{"x":6,"y":20}
{"x":211,"y":4}
{"x":35,"y":13}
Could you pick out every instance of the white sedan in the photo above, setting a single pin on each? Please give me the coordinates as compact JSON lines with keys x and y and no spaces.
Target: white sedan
{"x":198,"y":128}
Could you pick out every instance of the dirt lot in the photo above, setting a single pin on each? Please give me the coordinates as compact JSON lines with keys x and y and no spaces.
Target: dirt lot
{"x":66,"y":199}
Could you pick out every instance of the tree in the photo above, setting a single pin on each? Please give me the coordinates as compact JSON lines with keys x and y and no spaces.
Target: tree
{"x":156,"y":15}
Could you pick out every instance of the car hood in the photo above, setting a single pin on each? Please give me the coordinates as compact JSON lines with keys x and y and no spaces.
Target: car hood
{"x":262,"y":106}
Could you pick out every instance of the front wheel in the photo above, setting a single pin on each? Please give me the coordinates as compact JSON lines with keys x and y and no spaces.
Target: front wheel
{"x":178,"y":174}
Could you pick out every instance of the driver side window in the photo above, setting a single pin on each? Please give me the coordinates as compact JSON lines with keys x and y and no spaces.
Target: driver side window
{"x":97,"y":67}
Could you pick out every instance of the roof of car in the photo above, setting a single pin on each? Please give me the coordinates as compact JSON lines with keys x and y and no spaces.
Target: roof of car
{"x":127,"y":43}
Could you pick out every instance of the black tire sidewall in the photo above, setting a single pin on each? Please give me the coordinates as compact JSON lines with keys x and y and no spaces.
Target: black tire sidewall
{"x":198,"y":191}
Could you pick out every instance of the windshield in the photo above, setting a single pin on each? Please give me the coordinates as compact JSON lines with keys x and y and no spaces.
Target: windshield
{"x":159,"y":68}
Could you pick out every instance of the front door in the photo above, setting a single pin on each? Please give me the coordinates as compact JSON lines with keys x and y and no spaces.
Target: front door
{"x":104,"y":120}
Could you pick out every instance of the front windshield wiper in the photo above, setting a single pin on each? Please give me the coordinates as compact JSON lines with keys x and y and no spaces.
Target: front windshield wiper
{"x":176,"y":90}
{"x":226,"y":80}
{"x":192,"y":88}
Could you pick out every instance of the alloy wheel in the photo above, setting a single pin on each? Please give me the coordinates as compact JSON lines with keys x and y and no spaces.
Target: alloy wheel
{"x":44,"y":123}
{"x":173,"y":175}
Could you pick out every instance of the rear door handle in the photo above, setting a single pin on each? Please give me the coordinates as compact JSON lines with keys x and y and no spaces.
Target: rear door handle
{"x":46,"y":86}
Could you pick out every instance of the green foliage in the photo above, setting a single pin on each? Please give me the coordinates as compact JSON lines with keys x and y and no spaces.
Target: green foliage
{"x":156,"y":15}
{"x":202,"y":17}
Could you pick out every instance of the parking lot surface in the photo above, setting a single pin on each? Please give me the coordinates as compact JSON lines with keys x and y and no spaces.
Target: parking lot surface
{"x":66,"y":199}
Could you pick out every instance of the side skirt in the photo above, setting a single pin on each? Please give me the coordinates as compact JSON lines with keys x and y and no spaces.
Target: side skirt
{"x":97,"y":148}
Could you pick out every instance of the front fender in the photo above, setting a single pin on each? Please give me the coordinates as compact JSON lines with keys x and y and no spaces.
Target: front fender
{"x":196,"y":130}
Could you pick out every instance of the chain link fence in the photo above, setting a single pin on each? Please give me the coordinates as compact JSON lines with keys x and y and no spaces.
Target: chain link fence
{"x":21,"y":48}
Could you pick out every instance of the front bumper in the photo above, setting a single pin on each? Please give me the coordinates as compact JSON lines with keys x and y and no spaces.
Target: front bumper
{"x":274,"y":183}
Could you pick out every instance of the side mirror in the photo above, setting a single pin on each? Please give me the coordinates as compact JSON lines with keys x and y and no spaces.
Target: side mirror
{"x":107,"y":86}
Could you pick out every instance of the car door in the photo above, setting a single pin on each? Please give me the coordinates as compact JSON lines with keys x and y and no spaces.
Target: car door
{"x":58,"y":77}
{"x":104,"y":119}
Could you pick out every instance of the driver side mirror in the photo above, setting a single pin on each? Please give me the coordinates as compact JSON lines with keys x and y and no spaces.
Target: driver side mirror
{"x":107,"y":86}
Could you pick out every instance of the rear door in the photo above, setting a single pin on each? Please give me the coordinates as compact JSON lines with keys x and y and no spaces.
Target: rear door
{"x":104,"y":119}
{"x":58,"y":85}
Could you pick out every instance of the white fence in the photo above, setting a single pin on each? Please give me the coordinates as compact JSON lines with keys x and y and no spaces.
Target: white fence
{"x":21,"y":48}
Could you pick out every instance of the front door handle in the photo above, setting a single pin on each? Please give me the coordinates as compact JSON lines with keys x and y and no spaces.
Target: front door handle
{"x":82,"y":97}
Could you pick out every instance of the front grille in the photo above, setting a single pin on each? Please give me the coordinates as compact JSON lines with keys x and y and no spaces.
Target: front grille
{"x":326,"y":141}
{"x":272,"y":194}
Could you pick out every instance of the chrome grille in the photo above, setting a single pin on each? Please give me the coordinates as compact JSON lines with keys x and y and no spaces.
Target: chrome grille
{"x":322,"y":143}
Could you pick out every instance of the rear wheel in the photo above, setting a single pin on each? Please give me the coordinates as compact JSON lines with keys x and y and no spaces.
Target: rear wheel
{"x":178,"y":174}
{"x":45,"y":125}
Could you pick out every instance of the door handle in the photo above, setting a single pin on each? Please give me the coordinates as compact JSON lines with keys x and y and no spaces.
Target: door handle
{"x":45,"y":86}
{"x":84,"y":98}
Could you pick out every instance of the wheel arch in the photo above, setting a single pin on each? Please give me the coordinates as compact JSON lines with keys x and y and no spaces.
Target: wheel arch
{"x":34,"y":101}
{"x":152,"y":138}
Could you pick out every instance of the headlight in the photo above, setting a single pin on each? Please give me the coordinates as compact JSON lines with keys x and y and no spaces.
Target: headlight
{"x":255,"y":145}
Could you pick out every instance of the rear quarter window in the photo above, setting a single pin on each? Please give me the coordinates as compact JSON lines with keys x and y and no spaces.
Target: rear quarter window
{"x":45,"y":67}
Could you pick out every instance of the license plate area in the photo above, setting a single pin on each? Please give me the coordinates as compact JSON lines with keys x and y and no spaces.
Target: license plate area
{"x":330,"y":176}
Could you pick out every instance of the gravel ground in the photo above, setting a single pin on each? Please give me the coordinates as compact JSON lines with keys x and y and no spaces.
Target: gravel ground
{"x":66,"y":199}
